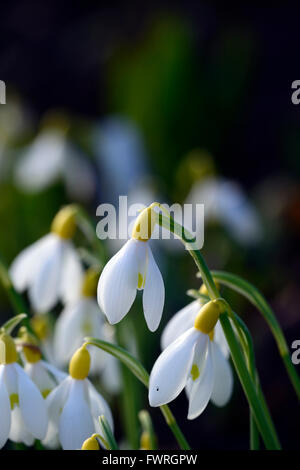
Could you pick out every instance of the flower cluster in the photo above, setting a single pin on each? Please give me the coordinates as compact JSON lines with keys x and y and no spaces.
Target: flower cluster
{"x":40,"y":401}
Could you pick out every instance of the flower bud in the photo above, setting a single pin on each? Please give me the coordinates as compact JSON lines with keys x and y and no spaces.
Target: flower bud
{"x":80,"y":363}
{"x":207,"y":317}
{"x":64,"y":223}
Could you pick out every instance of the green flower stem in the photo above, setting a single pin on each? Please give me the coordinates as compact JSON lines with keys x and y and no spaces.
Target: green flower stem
{"x":254,"y":438}
{"x":129,"y":401}
{"x":140,"y":372}
{"x":254,"y":434}
{"x":262,"y":421}
{"x":256,"y":298}
{"x":257,"y":409}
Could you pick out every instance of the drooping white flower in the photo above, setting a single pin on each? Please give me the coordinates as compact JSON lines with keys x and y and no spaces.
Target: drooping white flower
{"x":79,"y":319}
{"x":23,"y":412}
{"x":185,"y":319}
{"x":51,"y":157}
{"x":75,"y":405}
{"x":50,"y":268}
{"x":133,"y":268}
{"x":193,"y":361}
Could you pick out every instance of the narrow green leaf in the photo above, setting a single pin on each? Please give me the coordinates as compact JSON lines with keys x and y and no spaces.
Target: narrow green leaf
{"x":107,"y":433}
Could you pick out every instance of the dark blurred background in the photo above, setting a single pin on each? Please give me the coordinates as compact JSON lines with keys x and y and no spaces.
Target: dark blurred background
{"x":195,"y":93}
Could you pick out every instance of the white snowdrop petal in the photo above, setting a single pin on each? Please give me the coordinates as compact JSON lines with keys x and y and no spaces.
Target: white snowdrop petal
{"x":26,"y":263}
{"x":76,"y":422}
{"x":32,"y":405}
{"x":154,"y":293}
{"x":55,"y":402}
{"x":5,"y":413}
{"x":200,"y":357}
{"x":118,"y":283}
{"x":220,"y":339}
{"x":170,"y":371}
{"x":40,"y":376}
{"x":11,"y":379}
{"x":71,"y":274}
{"x":57,"y":374}
{"x":44,"y":290}
{"x":68,"y":334}
{"x":202,"y":388}
{"x":18,"y":431}
{"x":223,"y":382}
{"x":41,"y":163}
{"x":179,"y":323}
{"x":99,"y":406}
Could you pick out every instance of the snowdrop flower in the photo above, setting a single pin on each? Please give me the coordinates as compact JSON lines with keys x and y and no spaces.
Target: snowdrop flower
{"x":50,"y":268}
{"x":195,"y":361}
{"x":75,"y":405}
{"x":226,"y":202}
{"x":51,"y":157}
{"x":79,"y":319}
{"x":23,"y":412}
{"x":133,"y":268}
{"x":44,"y":375}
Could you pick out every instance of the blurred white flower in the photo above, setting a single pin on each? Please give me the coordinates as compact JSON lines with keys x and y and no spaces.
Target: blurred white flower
{"x":121,"y":155}
{"x":50,"y":268}
{"x":133,"y":268}
{"x":225,"y":201}
{"x":23,"y":413}
{"x":194,"y":360}
{"x":79,"y":319}
{"x":51,"y":157}
{"x":110,"y":371}
{"x":45,"y":376}
{"x":75,"y":406}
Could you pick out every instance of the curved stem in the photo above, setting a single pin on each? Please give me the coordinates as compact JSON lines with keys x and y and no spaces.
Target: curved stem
{"x":245,"y":378}
{"x":257,"y":409}
{"x":257,"y":299}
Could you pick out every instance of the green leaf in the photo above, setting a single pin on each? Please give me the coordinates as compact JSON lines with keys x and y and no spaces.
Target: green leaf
{"x":140,"y":372}
{"x":251,"y":293}
{"x":133,"y":364}
{"x":107,"y":433}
